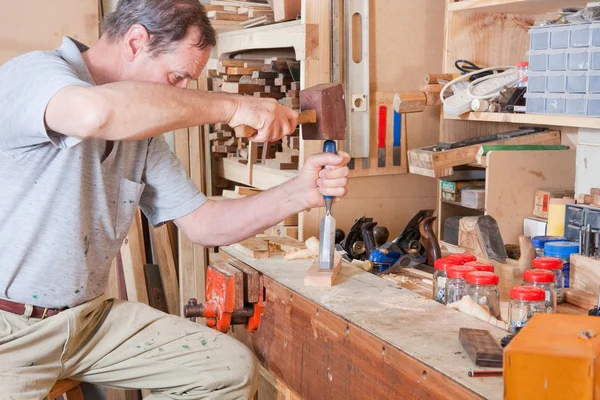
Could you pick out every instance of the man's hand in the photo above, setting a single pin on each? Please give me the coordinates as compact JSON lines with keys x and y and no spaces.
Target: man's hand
{"x":314,"y":181}
{"x":272,"y":120}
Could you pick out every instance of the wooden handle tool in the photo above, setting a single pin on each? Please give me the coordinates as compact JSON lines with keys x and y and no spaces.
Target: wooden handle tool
{"x":305,"y":117}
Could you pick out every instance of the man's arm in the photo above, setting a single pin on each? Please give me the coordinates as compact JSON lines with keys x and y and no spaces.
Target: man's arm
{"x":219,"y":223}
{"x":139,"y":110}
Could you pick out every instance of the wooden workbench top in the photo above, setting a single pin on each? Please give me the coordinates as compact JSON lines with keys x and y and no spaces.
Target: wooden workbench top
{"x":417,"y":326}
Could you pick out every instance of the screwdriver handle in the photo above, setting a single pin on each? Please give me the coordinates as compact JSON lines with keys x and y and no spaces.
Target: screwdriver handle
{"x":329,"y":146}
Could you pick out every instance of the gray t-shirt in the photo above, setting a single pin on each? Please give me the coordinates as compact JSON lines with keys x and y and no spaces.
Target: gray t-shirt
{"x":64,"y":212}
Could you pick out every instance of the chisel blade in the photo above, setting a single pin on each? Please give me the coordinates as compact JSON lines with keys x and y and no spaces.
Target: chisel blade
{"x":327,"y":243}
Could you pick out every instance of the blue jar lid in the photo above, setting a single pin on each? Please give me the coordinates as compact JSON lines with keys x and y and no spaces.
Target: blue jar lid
{"x":561,"y":249}
{"x":540,"y":241}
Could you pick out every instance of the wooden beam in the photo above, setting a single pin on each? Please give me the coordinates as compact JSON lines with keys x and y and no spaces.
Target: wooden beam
{"x":134,"y":258}
{"x":316,"y":277}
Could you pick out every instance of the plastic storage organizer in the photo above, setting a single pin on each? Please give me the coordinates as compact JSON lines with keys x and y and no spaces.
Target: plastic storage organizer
{"x":564,"y":70}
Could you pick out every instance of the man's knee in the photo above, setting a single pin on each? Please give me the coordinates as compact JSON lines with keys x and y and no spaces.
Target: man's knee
{"x":247,"y":369}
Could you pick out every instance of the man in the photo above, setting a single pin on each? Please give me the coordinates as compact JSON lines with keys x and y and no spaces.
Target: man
{"x":80,"y":149}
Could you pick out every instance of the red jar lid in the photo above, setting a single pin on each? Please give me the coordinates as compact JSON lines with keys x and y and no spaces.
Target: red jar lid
{"x":522,"y":64}
{"x":462,"y":257}
{"x":527,"y":293}
{"x":481,"y":266}
{"x":443,"y":263}
{"x":539,"y":276}
{"x":547,"y":263}
{"x":459,"y":271}
{"x":482,"y":278}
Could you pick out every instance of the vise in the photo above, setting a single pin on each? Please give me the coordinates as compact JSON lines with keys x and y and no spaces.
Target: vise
{"x":234,"y":296}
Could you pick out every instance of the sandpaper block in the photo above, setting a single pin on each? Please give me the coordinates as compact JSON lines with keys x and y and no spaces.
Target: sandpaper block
{"x":481,"y":347}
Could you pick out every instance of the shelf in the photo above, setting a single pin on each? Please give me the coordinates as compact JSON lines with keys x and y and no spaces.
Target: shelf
{"x":458,"y":204}
{"x":514,"y":6}
{"x":531,"y":119}
{"x":262,"y":177}
{"x":304,"y":38}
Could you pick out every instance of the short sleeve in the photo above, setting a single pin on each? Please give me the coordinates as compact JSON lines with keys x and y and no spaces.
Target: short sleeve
{"x":27,"y":84}
{"x":169,"y":192}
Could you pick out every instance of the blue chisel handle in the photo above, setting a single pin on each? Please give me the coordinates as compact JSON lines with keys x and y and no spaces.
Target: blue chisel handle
{"x":329,"y":147}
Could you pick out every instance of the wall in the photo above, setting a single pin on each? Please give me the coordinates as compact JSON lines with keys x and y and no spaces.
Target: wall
{"x":22,"y":30}
{"x":406,"y":43}
{"x":587,"y":175}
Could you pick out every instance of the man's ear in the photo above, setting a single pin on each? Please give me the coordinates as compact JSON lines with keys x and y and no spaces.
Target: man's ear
{"x":136,"y":41}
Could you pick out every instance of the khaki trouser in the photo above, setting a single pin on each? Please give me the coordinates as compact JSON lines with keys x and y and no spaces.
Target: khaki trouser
{"x":122,"y":345}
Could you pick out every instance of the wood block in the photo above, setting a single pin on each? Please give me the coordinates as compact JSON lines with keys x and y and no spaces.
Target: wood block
{"x":223,"y":149}
{"x":294,"y":142}
{"x":231,"y":194}
{"x":286,"y":10}
{"x":256,"y":248}
{"x":585,"y":274}
{"x":258,"y":21}
{"x":223,"y":127}
{"x":272,"y":89}
{"x":290,"y":102}
{"x":269,"y":95}
{"x":248,"y":79}
{"x":282,"y":230}
{"x":283,"y":89}
{"x":285,"y":244}
{"x":287,"y":157}
{"x":293,"y":93}
{"x":266,"y":82}
{"x":283,"y":81}
{"x":252,"y":281}
{"x":314,"y":277}
{"x":230,"y":87}
{"x":295,"y":86}
{"x":226,"y":16}
{"x":210,"y":7}
{"x":247,"y":191}
{"x":481,"y":347}
{"x":232,"y":78}
{"x":581,"y":299}
{"x":276,"y":164}
{"x":595,"y":191}
{"x":240,"y":71}
{"x":219,"y":135}
{"x":221,"y":70}
{"x":265,"y":75}
{"x":481,"y":236}
{"x":232,"y":63}
{"x":253,"y":13}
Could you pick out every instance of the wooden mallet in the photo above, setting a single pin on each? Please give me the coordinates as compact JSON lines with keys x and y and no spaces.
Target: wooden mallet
{"x":324,"y":115}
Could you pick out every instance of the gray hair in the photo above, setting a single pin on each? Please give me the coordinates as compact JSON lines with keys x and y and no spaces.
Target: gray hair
{"x":167,"y":22}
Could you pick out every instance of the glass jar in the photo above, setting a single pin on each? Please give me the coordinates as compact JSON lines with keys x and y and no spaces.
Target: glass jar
{"x":483,"y":288}
{"x":522,"y":68}
{"x":462,"y":257}
{"x":545,"y":280}
{"x":524,"y":302}
{"x":481,"y":266}
{"x":456,"y":287}
{"x":539,"y":242}
{"x":439,"y":278}
{"x":555,"y":265}
{"x":562,"y":250}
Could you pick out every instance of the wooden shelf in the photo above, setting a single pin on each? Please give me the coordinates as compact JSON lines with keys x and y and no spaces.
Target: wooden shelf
{"x":530,"y":119}
{"x":302,"y":37}
{"x":514,"y":6}
{"x":262,"y":177}
{"x":459,"y":204}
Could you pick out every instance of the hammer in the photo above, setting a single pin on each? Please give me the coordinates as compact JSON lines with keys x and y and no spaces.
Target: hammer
{"x":324,"y":115}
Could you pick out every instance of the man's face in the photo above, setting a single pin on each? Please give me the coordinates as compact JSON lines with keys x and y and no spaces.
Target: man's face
{"x":183,"y":63}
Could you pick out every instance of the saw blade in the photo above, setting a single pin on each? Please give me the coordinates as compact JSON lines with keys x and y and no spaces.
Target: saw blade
{"x":327,"y":243}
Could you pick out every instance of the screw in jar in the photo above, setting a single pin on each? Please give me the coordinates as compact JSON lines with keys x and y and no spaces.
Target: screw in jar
{"x":439,"y":278}
{"x":524,"y":302}
{"x":555,"y":265}
{"x":456,"y":287}
{"x":482,"y":287}
{"x":545,"y":280}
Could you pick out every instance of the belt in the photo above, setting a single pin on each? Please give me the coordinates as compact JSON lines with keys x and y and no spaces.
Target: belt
{"x":20,"y":309}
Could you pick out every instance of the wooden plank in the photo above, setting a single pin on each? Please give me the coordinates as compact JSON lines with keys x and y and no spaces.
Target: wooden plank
{"x":231,"y":87}
{"x":278,"y":164}
{"x":286,"y":245}
{"x":252,"y":281}
{"x":226,"y":16}
{"x":240,"y":71}
{"x":529,"y":119}
{"x":285,"y":10}
{"x":512,"y":179}
{"x":134,"y":258}
{"x":181,"y":148}
{"x":239,"y":3}
{"x":162,"y":253}
{"x":156,"y":293}
{"x":581,"y":299}
{"x":323,"y":278}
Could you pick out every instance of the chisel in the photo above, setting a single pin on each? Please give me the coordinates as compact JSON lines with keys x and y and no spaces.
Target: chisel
{"x":327,"y":234}
{"x":381,"y":136}
{"x":397,"y":137}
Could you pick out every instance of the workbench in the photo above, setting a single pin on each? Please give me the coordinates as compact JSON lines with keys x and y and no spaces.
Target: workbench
{"x":363,"y":338}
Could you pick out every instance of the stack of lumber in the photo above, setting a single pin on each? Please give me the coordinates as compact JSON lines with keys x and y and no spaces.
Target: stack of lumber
{"x":590,"y":199}
{"x":270,"y":78}
{"x":234,"y":15}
